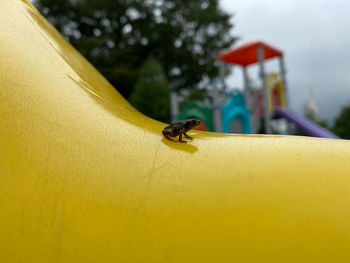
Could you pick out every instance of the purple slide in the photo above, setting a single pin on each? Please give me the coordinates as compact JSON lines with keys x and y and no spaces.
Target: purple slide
{"x":305,"y":125}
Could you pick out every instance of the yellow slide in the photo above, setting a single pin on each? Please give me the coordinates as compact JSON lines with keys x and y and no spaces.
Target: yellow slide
{"x":84,"y":177}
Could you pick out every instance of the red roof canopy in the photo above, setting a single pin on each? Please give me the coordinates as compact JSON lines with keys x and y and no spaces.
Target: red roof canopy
{"x":247,"y":54}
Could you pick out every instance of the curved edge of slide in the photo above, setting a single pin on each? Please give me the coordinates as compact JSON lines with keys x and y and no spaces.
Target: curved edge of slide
{"x":84,"y":177}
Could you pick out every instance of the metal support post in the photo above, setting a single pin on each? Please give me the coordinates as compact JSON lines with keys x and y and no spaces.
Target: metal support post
{"x":216,"y":109}
{"x":260,"y":51}
{"x":284,"y":79}
{"x":246,"y":87}
{"x":174,"y":106}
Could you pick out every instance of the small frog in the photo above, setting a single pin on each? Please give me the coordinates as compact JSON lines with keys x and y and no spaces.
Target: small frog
{"x":180,"y":128}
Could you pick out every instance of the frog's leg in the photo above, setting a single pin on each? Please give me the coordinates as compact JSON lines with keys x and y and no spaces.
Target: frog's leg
{"x":167,"y":137}
{"x":187,"y":136}
{"x":180,"y":138}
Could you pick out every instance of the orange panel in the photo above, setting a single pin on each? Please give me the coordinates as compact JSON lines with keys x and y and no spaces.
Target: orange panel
{"x":246,"y":54}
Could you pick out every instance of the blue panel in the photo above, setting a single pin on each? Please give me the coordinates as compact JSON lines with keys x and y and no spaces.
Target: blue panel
{"x":235,"y":108}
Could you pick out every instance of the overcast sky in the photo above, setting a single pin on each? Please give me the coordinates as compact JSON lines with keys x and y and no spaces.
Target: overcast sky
{"x":315,"y":37}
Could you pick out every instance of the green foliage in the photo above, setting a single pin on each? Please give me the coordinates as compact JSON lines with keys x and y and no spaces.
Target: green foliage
{"x":116,"y":35}
{"x":193,"y":94}
{"x":197,"y":94}
{"x":342,"y":123}
{"x":151,"y":93}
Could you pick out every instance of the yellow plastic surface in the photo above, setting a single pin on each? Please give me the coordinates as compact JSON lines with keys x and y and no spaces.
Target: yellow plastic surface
{"x":86,"y":178}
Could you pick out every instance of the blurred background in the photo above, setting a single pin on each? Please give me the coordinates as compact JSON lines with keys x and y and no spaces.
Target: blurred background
{"x":162,"y":56}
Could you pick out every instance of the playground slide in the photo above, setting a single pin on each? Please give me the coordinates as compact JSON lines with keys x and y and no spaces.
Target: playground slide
{"x":84,"y":177}
{"x":305,"y":125}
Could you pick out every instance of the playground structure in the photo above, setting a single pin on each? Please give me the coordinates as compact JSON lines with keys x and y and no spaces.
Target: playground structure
{"x":84,"y":177}
{"x":235,"y":109}
{"x":268,"y":102}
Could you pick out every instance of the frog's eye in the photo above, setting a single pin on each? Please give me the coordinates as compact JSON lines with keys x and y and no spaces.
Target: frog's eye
{"x":196,"y":122}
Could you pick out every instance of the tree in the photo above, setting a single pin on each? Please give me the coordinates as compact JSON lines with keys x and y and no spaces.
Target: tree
{"x":342,"y":123}
{"x":116,"y":36}
{"x":151,"y":93}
